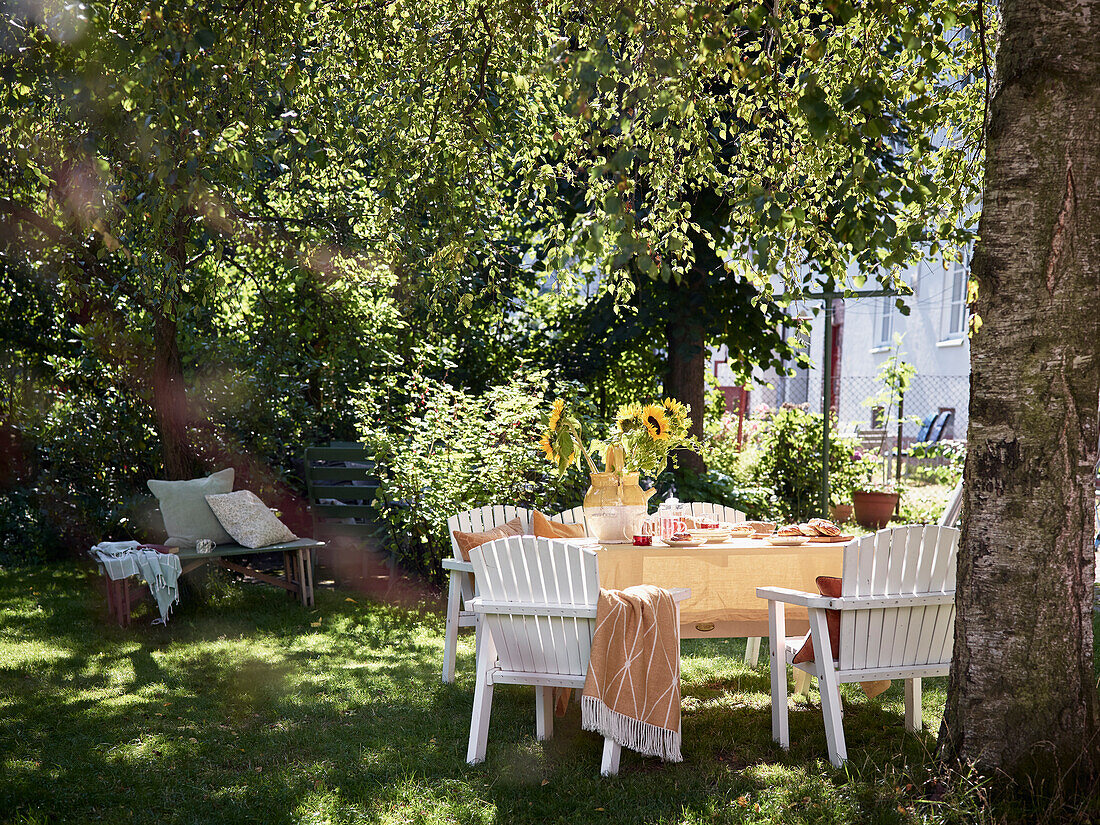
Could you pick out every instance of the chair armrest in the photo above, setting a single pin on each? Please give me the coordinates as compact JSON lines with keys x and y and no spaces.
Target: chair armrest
{"x":458,"y":566}
{"x":903,"y":600}
{"x":679,"y":594}
{"x":784,"y":594}
{"x":480,"y":605}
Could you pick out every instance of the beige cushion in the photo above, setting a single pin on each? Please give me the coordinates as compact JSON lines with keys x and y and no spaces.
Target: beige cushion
{"x":248,"y":520}
{"x":544,"y":528}
{"x":187,"y":516}
{"x":468,"y":541}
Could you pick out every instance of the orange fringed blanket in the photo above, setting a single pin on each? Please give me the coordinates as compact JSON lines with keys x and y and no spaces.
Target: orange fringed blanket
{"x":632,"y":690}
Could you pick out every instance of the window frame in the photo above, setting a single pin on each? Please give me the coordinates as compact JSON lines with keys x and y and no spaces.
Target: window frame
{"x":954,"y":298}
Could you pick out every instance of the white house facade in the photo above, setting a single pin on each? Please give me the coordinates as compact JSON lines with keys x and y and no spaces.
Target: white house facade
{"x":933,"y":339}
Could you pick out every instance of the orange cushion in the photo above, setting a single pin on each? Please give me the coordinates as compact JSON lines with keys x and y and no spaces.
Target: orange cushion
{"x":544,"y":528}
{"x":468,"y":541}
{"x":827,"y":586}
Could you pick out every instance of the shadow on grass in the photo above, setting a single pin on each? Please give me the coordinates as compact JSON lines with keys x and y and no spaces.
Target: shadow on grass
{"x":249,"y":708}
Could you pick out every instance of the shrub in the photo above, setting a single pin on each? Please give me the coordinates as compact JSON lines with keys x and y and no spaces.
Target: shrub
{"x":453,"y":451}
{"x":717,"y":488}
{"x":786,"y":459}
{"x":947,"y":458}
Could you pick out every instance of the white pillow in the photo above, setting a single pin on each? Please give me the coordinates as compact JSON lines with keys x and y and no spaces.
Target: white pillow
{"x":248,"y":520}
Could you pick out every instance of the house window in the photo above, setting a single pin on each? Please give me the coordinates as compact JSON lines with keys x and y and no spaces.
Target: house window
{"x":884,"y":322}
{"x":953,"y":324}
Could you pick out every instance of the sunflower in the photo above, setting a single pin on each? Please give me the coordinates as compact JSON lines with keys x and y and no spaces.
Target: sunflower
{"x":544,"y":442}
{"x":555,"y":413}
{"x":628,"y":417}
{"x":656,"y":421}
{"x":676,"y":411}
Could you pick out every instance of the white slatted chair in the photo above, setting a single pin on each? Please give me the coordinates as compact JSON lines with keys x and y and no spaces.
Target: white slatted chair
{"x":573,"y":516}
{"x":953,"y":511}
{"x":719,"y":511}
{"x":722,"y":513}
{"x":460,"y":586}
{"x":897,"y":619}
{"x":537,"y":601}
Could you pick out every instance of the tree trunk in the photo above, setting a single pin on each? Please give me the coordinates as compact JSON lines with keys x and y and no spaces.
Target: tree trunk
{"x":1022,"y":694}
{"x":685,"y":381}
{"x":685,"y":339}
{"x":170,"y":400}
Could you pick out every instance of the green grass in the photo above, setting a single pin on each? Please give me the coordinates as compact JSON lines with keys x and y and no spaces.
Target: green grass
{"x":248,"y":708}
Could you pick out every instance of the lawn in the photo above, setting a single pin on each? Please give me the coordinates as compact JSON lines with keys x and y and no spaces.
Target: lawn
{"x":249,"y":708}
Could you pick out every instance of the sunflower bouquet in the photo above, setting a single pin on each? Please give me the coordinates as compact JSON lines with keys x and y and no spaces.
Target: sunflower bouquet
{"x":647,"y":433}
{"x":641,"y":440}
{"x":561,"y":438}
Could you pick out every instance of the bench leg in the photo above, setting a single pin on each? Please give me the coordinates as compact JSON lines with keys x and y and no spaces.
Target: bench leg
{"x":307,"y":576}
{"x":288,"y":570}
{"x":126,"y":605}
{"x":304,"y":593}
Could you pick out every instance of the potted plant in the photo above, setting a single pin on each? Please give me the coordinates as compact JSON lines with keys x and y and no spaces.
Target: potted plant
{"x":874,"y":503}
{"x":848,"y":469}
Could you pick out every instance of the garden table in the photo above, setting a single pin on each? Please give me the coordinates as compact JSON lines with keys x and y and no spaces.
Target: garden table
{"x":723,"y":579}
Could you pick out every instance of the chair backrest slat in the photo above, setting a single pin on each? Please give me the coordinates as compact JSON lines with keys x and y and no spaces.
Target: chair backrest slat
{"x":718,"y":511}
{"x":900,"y":561}
{"x":574,"y":515}
{"x":538,"y":572}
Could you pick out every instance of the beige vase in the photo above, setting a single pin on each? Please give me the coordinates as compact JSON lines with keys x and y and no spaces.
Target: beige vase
{"x":615,"y":504}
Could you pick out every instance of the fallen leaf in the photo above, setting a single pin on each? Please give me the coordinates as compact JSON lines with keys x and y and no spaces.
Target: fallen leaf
{"x":743,"y":801}
{"x":192,"y":739}
{"x":349,"y":599}
{"x":315,"y":624}
{"x":546,"y":782}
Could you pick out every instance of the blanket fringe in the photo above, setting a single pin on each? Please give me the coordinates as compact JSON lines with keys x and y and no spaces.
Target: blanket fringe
{"x":652,"y":740}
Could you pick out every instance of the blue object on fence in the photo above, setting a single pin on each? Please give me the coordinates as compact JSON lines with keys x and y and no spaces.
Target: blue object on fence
{"x":925,"y":427}
{"x":936,"y":432}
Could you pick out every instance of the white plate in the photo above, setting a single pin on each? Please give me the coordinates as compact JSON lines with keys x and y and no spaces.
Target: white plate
{"x":787,"y":541}
{"x":688,"y":543}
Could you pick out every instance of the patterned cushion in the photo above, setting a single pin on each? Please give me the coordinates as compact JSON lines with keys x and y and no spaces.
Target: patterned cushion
{"x":248,"y":520}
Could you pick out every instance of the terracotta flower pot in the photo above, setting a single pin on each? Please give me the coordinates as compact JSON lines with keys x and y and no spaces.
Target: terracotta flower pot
{"x":840,"y":513}
{"x":874,"y":510}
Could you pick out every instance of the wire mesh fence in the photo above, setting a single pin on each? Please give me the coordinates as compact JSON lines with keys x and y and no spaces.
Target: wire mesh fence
{"x":860,"y":411}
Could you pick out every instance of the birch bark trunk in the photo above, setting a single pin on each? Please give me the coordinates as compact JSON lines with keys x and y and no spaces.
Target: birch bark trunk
{"x":1022,"y":695}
